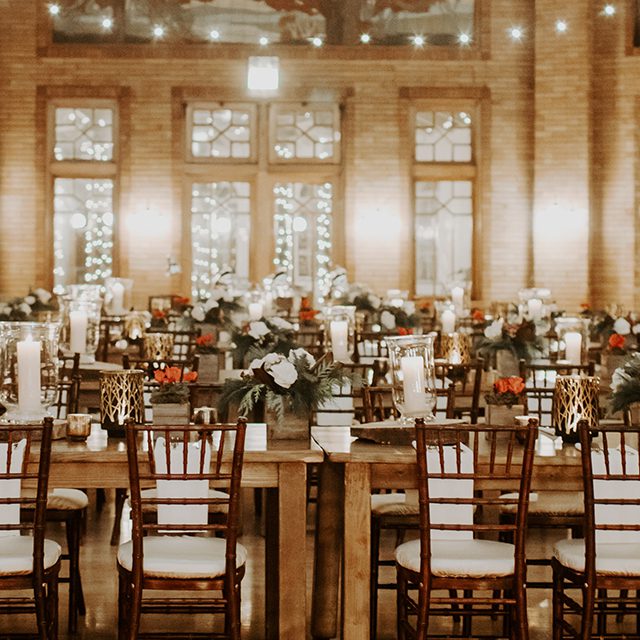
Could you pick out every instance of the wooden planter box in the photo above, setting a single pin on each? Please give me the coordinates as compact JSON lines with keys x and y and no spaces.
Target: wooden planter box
{"x":293,"y":427}
{"x":208,"y":367}
{"x":172,"y":413}
{"x":501,"y":414}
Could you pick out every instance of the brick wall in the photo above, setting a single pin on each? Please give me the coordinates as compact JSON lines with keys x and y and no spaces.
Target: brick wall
{"x":558,"y":126}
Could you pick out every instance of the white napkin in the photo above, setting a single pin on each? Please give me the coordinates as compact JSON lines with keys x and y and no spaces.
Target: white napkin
{"x":182,"y":514}
{"x":10,"y":513}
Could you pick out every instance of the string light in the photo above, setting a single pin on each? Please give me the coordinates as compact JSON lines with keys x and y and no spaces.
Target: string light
{"x":609,"y":10}
{"x":365,"y":38}
{"x":158,"y":31}
{"x":464,"y":38}
{"x":316,"y":42}
{"x":107,"y":23}
{"x":561,"y":26}
{"x":516,"y":33}
{"x":264,"y":41}
{"x":214,"y":34}
{"x":54,"y":9}
{"x":418,"y":41}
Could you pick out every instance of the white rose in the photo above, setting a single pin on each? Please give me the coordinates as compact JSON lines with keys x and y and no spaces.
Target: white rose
{"x":216,"y":294}
{"x":211,"y":303}
{"x":5,"y":310}
{"x":284,"y":374}
{"x":300,"y":353}
{"x":30,"y":300}
{"x":43,"y":295}
{"x":622,"y":327}
{"x":272,"y":358}
{"x":256,"y":363}
{"x":228,"y":297}
{"x":636,"y":328}
{"x":388,"y":320}
{"x":374,"y":301}
{"x":281,"y":323}
{"x":197,"y":313}
{"x":494,"y":330}
{"x":409,"y":307}
{"x":25,"y":308}
{"x":619,"y":377}
{"x":258,"y":329}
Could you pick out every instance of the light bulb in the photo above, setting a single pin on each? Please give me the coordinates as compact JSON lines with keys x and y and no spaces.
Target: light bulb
{"x":214,"y":35}
{"x":516,"y":33}
{"x":464,"y":38}
{"x":107,"y":23}
{"x":264,"y":41}
{"x":418,"y":41}
{"x":158,"y":31}
{"x":609,"y":10}
{"x":561,"y":26}
{"x":54,"y":9}
{"x":365,"y":38}
{"x":316,"y":42}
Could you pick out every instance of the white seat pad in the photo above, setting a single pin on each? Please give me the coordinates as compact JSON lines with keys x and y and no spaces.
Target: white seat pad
{"x":16,"y":555}
{"x":182,"y":556}
{"x":214,"y":508}
{"x":460,"y":558}
{"x":393,"y":504}
{"x":552,"y":503}
{"x":611,"y":559}
{"x":67,"y":499}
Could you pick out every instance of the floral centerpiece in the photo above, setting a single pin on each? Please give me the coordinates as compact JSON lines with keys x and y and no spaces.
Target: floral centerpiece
{"x":173,"y":385}
{"x":290,"y":387}
{"x":25,"y":309}
{"x":307,"y":314}
{"x":506,"y":400}
{"x":518,"y":339}
{"x":207,"y":350}
{"x":274,"y":335}
{"x":216,"y":310}
{"x":625,"y":384}
{"x":392,"y":318}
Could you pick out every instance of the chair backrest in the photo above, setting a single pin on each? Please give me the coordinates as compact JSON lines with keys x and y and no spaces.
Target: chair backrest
{"x":378,"y":406}
{"x":68,"y":387}
{"x":370,"y":345}
{"x":467,"y":382}
{"x":539,"y":403}
{"x":184,"y":462}
{"x":488,"y":454}
{"x":543,"y":375}
{"x":611,"y":477}
{"x":18,"y":465}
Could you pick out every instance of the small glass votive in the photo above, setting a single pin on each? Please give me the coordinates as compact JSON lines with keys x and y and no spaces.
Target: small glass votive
{"x":78,"y":426}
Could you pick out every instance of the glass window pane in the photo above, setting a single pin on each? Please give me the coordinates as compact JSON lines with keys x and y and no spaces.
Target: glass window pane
{"x":443,"y":234}
{"x":83,"y":224}
{"x":83,"y":134}
{"x":443,"y":136}
{"x":305,"y":132}
{"x":303,"y":231}
{"x":214,"y":133}
{"x":220,"y":230}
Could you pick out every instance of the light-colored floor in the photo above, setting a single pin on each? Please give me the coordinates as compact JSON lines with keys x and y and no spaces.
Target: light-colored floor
{"x":100,"y":585}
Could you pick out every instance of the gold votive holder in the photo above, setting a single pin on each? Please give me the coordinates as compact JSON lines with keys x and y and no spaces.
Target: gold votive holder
{"x":575,"y":398}
{"x":121,"y":399}
{"x":157,"y":346}
{"x":455,"y":348}
{"x":78,"y":426}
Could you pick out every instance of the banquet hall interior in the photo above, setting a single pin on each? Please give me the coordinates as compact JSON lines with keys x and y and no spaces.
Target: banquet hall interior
{"x":205,"y":202}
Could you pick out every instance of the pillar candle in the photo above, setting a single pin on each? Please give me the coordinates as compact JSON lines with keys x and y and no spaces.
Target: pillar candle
{"x":29,"y":375}
{"x":448,"y":320}
{"x":117,"y":299}
{"x":413,"y":385}
{"x":457,"y":297}
{"x":534,"y":307}
{"x":255,"y":310}
{"x":78,"y":321}
{"x":340,"y":340}
{"x":573,"y":347}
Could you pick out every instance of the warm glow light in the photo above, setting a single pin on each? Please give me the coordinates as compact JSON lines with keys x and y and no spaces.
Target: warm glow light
{"x":418,"y":41}
{"x":299,"y":224}
{"x":516,"y":33}
{"x":316,"y":42}
{"x":214,"y":35}
{"x":222,"y":225}
{"x":158,"y":31}
{"x":54,"y":9}
{"x":264,"y":41}
{"x":609,"y":10}
{"x":464,"y":38}
{"x":365,"y":38}
{"x":78,"y":221}
{"x":561,"y":26}
{"x":107,"y":23}
{"x":263,"y":73}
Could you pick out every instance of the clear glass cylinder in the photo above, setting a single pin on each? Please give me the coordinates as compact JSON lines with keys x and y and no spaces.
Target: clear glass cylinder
{"x":80,"y":332}
{"x":118,"y":296}
{"x":340,"y":331}
{"x":413,"y":376}
{"x":573,"y":340}
{"x":29,"y":368}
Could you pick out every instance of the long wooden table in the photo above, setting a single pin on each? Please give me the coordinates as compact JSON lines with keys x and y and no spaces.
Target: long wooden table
{"x":351,"y":470}
{"x":279,"y":467}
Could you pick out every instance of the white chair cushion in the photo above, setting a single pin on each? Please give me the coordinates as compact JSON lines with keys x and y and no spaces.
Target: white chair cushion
{"x":552,"y":503}
{"x":213,"y":508}
{"x":67,"y":499}
{"x":460,"y":558}
{"x":181,"y":556}
{"x":393,"y":504}
{"x":611,"y":559}
{"x":16,"y":555}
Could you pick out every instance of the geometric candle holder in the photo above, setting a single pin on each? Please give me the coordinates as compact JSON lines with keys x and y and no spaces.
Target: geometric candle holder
{"x":455,"y":348}
{"x":121,"y":398}
{"x":575,"y":398}
{"x":158,"y":346}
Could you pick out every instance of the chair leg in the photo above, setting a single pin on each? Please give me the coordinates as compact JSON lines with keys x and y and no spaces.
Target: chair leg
{"x":73,"y":526}
{"x":121,"y":497}
{"x":557,"y":615}
{"x":401,"y":607}
{"x":466,"y":621}
{"x":521,"y":613}
{"x":52,"y":607}
{"x":602,"y":618}
{"x":134,"y":604}
{"x":123,"y":612}
{"x":624,"y":593}
{"x":373,"y":583}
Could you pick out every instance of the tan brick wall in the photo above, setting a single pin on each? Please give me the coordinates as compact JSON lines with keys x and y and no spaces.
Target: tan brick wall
{"x":535,"y":148}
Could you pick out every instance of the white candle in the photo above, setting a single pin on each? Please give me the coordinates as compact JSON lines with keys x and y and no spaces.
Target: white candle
{"x":457,"y":297}
{"x":340,"y":340}
{"x":117,"y":299}
{"x":29,"y":375}
{"x":78,"y":321}
{"x":413,"y":385}
{"x":448,"y":320}
{"x":255,"y":310}
{"x":455,"y":357}
{"x":534,"y":307}
{"x":573,"y":347}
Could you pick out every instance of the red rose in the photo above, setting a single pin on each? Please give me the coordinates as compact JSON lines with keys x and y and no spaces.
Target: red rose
{"x":616,"y":341}
{"x":477,"y":315}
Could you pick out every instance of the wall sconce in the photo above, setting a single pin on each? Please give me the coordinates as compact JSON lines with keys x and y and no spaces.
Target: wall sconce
{"x":263,"y":73}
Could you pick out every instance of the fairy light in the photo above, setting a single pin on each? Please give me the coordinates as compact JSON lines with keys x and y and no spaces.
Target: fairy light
{"x":609,"y":10}
{"x":516,"y":33}
{"x":107,"y":23}
{"x":158,"y":31}
{"x":214,"y":34}
{"x":418,"y":41}
{"x":365,"y":38}
{"x":54,"y":9}
{"x":317,"y":42}
{"x":464,"y":38}
{"x":263,"y":41}
{"x":561,"y":26}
